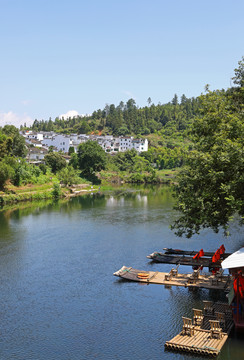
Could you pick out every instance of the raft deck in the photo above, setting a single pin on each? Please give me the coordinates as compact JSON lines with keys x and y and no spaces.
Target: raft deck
{"x":202,"y":342}
{"x":173,"y":278}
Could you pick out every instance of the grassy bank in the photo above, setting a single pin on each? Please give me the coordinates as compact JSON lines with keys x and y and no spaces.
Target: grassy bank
{"x":166,"y":176}
{"x":34,"y":192}
{"x":38,"y":192}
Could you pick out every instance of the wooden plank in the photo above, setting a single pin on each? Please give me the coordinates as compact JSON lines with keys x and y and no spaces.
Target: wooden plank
{"x":200,"y":343}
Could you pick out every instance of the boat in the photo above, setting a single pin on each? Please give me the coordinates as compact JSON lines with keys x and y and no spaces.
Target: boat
{"x":192,"y":252}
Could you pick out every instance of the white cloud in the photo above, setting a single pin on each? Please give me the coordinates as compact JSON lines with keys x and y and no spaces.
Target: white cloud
{"x":10,"y":118}
{"x":70,"y":113}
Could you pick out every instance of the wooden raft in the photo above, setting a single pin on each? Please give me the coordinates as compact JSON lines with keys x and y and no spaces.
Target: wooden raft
{"x":173,"y":278}
{"x":200,"y":343}
{"x":206,"y":338}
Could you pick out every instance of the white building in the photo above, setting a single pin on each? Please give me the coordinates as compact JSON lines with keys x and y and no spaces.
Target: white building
{"x":61,"y":142}
{"x":33,"y":142}
{"x":128,"y":143}
{"x":140,"y":145}
{"x":36,"y":154}
{"x":33,"y":135}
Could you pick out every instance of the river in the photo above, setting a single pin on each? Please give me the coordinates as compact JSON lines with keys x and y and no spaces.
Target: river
{"x":59,"y":298}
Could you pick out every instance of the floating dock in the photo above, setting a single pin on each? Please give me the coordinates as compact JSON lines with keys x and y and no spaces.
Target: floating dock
{"x":202,"y":340}
{"x":200,"y":343}
{"x":173,"y":278}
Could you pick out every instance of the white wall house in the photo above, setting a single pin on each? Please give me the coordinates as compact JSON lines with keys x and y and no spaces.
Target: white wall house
{"x":33,"y":142}
{"x":36,"y":154}
{"x":128,"y":143}
{"x":140,"y":145}
{"x":125,"y":143}
{"x":61,"y":142}
{"x":33,"y":135}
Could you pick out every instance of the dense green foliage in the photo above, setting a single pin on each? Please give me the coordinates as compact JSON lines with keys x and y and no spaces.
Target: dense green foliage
{"x":211,"y":187}
{"x":55,"y":161}
{"x":127,"y":119}
{"x":56,"y":191}
{"x":68,"y":176}
{"x":91,"y":158}
{"x":11,"y":142}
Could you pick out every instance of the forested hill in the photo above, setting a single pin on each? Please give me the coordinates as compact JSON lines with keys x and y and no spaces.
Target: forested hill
{"x":128,"y":119}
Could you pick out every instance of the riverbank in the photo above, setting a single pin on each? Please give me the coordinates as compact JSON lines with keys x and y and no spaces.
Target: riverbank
{"x":160,"y":177}
{"x":37,"y":192}
{"x":34,"y":192}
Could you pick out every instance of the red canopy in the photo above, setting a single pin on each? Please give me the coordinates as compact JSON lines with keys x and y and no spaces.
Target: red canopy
{"x":216,"y":256}
{"x":222,"y":249}
{"x":199,"y":254}
{"x":239,"y":285}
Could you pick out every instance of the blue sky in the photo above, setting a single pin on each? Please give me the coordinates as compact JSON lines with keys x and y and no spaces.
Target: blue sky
{"x":73,"y":55}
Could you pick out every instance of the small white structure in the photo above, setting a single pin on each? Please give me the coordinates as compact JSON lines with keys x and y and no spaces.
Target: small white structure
{"x":235,"y":260}
{"x":36,"y":154}
{"x":33,"y":142}
{"x":128,"y":143}
{"x":33,"y":135}
{"x":140,"y":145}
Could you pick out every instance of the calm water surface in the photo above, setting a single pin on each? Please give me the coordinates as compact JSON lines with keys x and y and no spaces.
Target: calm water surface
{"x":59,"y":298}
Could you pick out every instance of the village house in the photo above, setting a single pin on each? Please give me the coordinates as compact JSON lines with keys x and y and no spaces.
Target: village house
{"x":128,"y":143}
{"x":62,"y":142}
{"x":36,"y":155}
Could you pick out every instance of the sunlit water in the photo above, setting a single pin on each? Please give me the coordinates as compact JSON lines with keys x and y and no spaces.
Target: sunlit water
{"x":59,"y":298}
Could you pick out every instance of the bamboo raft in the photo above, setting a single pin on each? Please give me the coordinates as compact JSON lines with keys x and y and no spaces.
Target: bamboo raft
{"x":191,"y":252}
{"x":177,"y":259}
{"x":202,"y":340}
{"x":173,"y":278}
{"x":201,"y":344}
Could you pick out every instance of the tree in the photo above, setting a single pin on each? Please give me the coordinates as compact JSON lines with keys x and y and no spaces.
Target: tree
{"x":91,"y":158}
{"x":71,"y":150}
{"x":74,"y":161}
{"x":18,"y":147}
{"x":210,"y":189}
{"x":175,"y":100}
{"x":123,"y":131}
{"x":56,"y":192}
{"x":238,"y":79}
{"x":6,"y":172}
{"x":55,"y":161}
{"x":68,"y":176}
{"x":84,"y":128}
